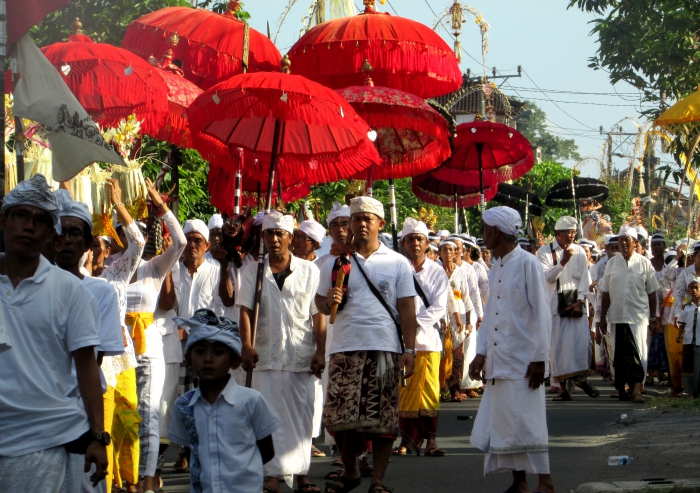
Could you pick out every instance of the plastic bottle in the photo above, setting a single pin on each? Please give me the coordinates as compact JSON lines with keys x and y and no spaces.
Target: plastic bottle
{"x":623,"y":416}
{"x":619,"y":460}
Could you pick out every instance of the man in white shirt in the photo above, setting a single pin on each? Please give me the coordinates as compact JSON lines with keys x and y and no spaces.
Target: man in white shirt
{"x":471,"y":255}
{"x":50,"y":327}
{"x":605,"y":338}
{"x":287,"y":350}
{"x":307,"y":239}
{"x":629,"y":304}
{"x":419,"y":401}
{"x":513,"y":346}
{"x":565,"y":267}
{"x":367,"y":341}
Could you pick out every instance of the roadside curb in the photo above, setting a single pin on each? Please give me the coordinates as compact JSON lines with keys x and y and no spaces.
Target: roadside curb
{"x":656,"y":485}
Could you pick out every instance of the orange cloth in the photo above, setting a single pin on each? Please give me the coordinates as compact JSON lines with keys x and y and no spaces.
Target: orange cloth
{"x":447,"y":357}
{"x":139,"y":322}
{"x":674,"y":351}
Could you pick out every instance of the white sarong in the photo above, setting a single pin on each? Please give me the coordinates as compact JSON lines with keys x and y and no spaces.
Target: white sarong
{"x":469,"y":355}
{"x":511,"y":427}
{"x":571,"y":347}
{"x":291,"y":397}
{"x":46,"y":471}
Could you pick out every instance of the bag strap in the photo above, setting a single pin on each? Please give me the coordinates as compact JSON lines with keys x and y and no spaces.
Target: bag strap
{"x":381,"y":299}
{"x":420,"y":292}
{"x":554,"y":259}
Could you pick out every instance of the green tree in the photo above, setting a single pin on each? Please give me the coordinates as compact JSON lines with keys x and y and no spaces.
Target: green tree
{"x":540,"y":179}
{"x":554,"y":148}
{"x":618,"y":204}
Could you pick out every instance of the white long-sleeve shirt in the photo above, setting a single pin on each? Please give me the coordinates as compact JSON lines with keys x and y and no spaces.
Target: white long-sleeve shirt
{"x":574,"y":275}
{"x":474,"y":292}
{"x":460,"y":286}
{"x":517,"y":324}
{"x":482,"y":274}
{"x":435,"y":285}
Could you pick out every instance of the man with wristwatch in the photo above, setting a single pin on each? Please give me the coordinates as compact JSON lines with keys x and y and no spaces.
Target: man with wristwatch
{"x":376,"y":312}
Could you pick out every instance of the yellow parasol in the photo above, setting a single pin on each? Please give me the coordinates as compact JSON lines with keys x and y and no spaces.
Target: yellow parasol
{"x":683,"y":119}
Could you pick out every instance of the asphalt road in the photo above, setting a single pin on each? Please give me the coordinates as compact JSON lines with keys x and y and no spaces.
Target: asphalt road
{"x":581,"y":432}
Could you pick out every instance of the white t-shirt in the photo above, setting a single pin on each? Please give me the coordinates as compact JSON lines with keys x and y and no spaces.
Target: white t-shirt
{"x":110,"y":326}
{"x":687,"y":318}
{"x":629,"y":282}
{"x":364,"y":324}
{"x":48,"y":317}
{"x":435,"y":285}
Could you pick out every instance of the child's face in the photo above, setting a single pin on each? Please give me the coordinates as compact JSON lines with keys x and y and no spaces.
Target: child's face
{"x":694,"y":291}
{"x":212,"y":360}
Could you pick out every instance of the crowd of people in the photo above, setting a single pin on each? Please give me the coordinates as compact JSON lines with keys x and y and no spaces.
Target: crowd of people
{"x":112,"y":349}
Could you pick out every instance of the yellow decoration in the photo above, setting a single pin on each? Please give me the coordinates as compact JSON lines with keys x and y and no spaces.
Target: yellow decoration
{"x":427,"y":216}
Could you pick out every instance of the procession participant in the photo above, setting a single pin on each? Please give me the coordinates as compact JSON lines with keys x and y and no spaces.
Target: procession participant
{"x":471,"y":255}
{"x":419,"y":402}
{"x":629,"y":303}
{"x":215,"y":226}
{"x":459,"y":285}
{"x":307,"y":239}
{"x":683,"y":279}
{"x":598,"y":353}
{"x":289,"y":349}
{"x":467,"y":386}
{"x":605,"y":338}
{"x":142,"y":297}
{"x":675,"y":262}
{"x":432,"y":252}
{"x":511,"y":424}
{"x":50,"y":330}
{"x":366,"y":358}
{"x":485,"y":255}
{"x":443,"y":234}
{"x":236,"y":421}
{"x":565,"y":268}
{"x":656,"y":346}
{"x":120,"y":371}
{"x":101,"y":249}
{"x":643,"y":241}
{"x":687,"y":335}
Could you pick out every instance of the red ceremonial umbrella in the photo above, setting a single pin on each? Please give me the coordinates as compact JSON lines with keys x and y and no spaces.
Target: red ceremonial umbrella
{"x":181,"y":94}
{"x":111,"y":83}
{"x":412,"y":137}
{"x":305,"y":131}
{"x":433,"y":190}
{"x":213,"y":47}
{"x":486,"y":153}
{"x":406,"y":54}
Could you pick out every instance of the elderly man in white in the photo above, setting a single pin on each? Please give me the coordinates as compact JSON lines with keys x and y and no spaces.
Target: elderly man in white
{"x":629,"y":288}
{"x":289,"y":348}
{"x":565,"y":267}
{"x":512,"y":348}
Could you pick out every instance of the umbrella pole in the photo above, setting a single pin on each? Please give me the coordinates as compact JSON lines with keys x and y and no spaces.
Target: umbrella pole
{"x":368,"y":185}
{"x":466,"y":221}
{"x":576,"y":211}
{"x":19,"y":125}
{"x":456,"y":215}
{"x":392,"y":209}
{"x":479,"y":148}
{"x":527,"y":203}
{"x":261,"y":253}
{"x":237,"y":193}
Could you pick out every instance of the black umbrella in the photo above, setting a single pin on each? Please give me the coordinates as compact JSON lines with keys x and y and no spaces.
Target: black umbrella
{"x":518,"y":198}
{"x":575,"y":189}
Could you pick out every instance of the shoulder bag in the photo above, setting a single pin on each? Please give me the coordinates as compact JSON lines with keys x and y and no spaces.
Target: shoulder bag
{"x":567,"y":297}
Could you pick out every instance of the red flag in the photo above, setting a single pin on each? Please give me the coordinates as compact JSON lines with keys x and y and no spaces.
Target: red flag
{"x":22,"y":15}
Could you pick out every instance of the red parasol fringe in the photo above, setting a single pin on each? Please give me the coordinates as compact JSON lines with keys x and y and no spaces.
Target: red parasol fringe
{"x":469,"y":200}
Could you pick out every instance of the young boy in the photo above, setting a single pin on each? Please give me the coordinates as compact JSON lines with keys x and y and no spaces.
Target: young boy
{"x":227,"y":427}
{"x":691,"y":350}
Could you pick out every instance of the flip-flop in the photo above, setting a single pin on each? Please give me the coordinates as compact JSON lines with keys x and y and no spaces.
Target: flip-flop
{"x":434,"y":452}
{"x":347,"y":484}
{"x":563,"y":397}
{"x":397,"y":451}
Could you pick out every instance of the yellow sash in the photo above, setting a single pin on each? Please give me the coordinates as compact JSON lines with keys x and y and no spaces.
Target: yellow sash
{"x":139,"y":322}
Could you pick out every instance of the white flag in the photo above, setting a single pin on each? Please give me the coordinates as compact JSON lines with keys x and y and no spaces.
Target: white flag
{"x":42,"y":96}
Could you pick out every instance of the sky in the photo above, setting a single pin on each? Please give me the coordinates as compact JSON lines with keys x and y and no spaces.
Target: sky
{"x":551,"y":43}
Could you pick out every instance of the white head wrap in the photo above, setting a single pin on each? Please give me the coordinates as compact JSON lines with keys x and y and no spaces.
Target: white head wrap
{"x":338,"y":210}
{"x":196,"y":226}
{"x":658,"y":237}
{"x":367,"y":204}
{"x":413,"y":226}
{"x":611,"y":239}
{"x":259,"y":218}
{"x":433,"y":247}
{"x":627,"y":230}
{"x":523,"y":240}
{"x":313,"y":230}
{"x":456,"y":238}
{"x":216,"y":222}
{"x":641,"y":232}
{"x":670,"y":253}
{"x":695,"y":279}
{"x":34,"y":192}
{"x":565,"y":223}
{"x":206,"y":325}
{"x":443,"y":233}
{"x":277,"y":220}
{"x":71,"y":208}
{"x":507,"y":220}
{"x":587,"y":243}
{"x":448,"y":242}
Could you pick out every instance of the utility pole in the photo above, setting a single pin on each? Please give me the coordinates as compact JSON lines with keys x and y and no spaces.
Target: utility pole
{"x":486,"y":90}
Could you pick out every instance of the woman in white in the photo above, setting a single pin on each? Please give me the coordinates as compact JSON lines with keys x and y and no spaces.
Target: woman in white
{"x":142,"y":298}
{"x":460,"y":287}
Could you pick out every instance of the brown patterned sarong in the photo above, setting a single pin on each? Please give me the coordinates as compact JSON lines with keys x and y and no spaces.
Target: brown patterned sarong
{"x":355,"y":400}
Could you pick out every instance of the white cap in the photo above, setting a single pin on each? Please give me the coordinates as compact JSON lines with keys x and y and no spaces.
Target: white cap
{"x":338,"y":210}
{"x":216,"y":222}
{"x":313,"y":230}
{"x":611,"y":239}
{"x":565,"y":223}
{"x":259,"y":218}
{"x":448,"y":242}
{"x":367,"y":204}
{"x":196,"y":226}
{"x":507,"y":220}
{"x":641,"y":231}
{"x":443,"y":233}
{"x":277,"y":220}
{"x":627,"y":230}
{"x":414,"y":226}
{"x":71,"y":208}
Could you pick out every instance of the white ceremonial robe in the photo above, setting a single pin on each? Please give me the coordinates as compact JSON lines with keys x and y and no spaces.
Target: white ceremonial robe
{"x":571,"y":340}
{"x":478,"y":312}
{"x":511,"y":424}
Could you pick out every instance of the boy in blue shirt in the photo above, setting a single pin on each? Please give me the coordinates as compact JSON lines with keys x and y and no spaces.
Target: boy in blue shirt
{"x":227,"y":427}
{"x":688,"y":325}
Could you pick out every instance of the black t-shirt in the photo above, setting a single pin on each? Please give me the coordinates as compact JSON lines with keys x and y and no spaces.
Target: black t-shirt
{"x":282,"y":276}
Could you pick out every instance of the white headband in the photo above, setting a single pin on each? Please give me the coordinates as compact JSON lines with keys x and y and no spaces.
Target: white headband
{"x":196,"y":226}
{"x":277,"y":220}
{"x":507,"y":220}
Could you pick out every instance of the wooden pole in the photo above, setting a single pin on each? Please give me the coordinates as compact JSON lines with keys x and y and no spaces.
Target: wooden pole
{"x":276,"y":142}
{"x":482,"y":204}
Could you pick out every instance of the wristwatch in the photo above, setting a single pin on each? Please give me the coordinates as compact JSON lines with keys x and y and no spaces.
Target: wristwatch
{"x":411,"y":351}
{"x":102,"y":438}
{"x":653,"y":319}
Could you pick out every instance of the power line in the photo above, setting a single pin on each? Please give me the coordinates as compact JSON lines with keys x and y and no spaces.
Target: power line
{"x":392,"y":8}
{"x":450,"y":34}
{"x":561,"y":91}
{"x":581,"y":102}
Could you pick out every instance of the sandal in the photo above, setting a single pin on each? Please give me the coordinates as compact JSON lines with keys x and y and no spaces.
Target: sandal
{"x":445,"y":396}
{"x":182,"y":467}
{"x":399,"y":451}
{"x":315,"y":452}
{"x":367,"y":471}
{"x":382,"y":488}
{"x":472,"y":394}
{"x":308,"y":488}
{"x":638,"y":399}
{"x":346,"y":484}
{"x":337,"y":462}
{"x":267,"y":489}
{"x":590,"y":390}
{"x":564,"y":396}
{"x":333,"y":475}
{"x":434,"y":452}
